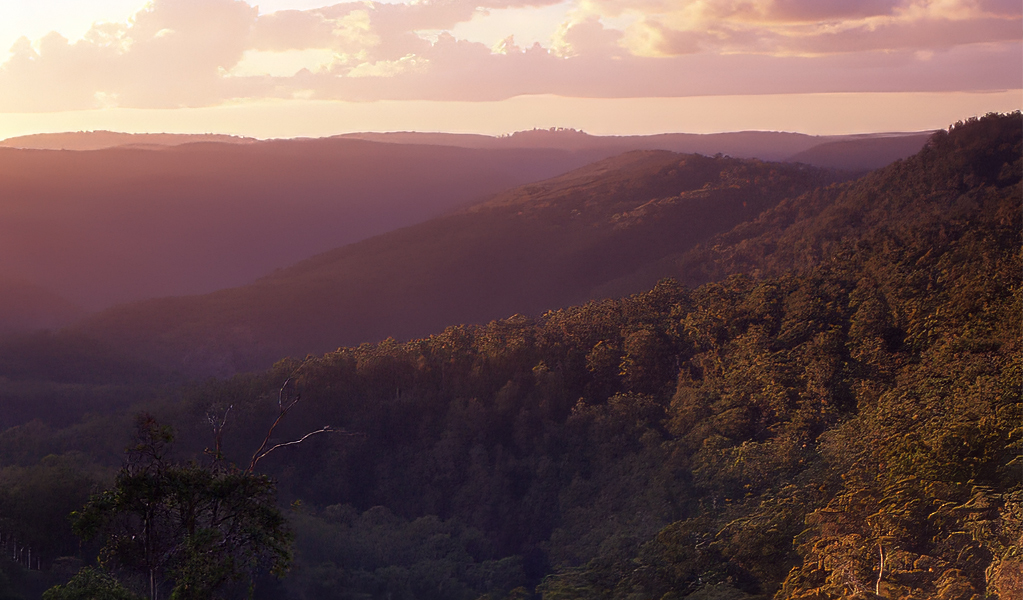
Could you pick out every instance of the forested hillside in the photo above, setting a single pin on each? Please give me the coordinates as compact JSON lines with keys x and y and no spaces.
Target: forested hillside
{"x":102,"y":227}
{"x":828,"y":406}
{"x":588,"y":234}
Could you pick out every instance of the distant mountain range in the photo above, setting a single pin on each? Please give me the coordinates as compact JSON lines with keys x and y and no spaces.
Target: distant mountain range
{"x":583,"y":235}
{"x":148,"y":215}
{"x":121,"y":224}
{"x":850,"y":152}
{"x":862,"y":153}
{"x":98,"y":140}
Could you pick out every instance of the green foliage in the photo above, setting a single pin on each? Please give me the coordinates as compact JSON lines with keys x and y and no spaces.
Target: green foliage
{"x":34,"y":504}
{"x":376,"y":554}
{"x":59,"y":378}
{"x":873,"y":391}
{"x":844,"y":392}
{"x":188,"y":527}
{"x":90,"y":584}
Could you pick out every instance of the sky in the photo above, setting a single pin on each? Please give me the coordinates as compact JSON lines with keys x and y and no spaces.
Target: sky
{"x":285,"y":68}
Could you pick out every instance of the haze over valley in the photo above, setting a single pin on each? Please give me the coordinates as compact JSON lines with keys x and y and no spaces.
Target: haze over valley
{"x":144,"y":216}
{"x":511,"y":300}
{"x":532,"y":391}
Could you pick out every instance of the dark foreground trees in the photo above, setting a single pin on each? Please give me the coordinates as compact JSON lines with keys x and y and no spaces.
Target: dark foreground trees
{"x":184,"y":528}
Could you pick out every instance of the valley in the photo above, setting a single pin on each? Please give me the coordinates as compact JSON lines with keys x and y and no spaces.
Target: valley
{"x":649,"y":374}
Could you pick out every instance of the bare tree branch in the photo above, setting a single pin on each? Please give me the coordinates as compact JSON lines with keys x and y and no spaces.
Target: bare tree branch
{"x":218,"y":422}
{"x":287,"y":398}
{"x":328,"y":429}
{"x":880,"y":572}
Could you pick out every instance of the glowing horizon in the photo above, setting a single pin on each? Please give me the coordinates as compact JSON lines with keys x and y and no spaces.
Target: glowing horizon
{"x":496,"y":66}
{"x":812,"y":114}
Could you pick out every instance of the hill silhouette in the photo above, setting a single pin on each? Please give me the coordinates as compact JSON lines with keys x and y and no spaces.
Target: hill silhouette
{"x":108,"y":226}
{"x":534,"y":248}
{"x":765,"y":145}
{"x":854,"y":152}
{"x":138,"y":216}
{"x":98,"y":140}
{"x":846,"y":152}
{"x":862,"y":153}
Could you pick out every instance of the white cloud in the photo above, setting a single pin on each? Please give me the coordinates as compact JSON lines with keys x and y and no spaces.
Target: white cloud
{"x":286,"y":63}
{"x":389,"y":68}
{"x":529,"y":25}
{"x":587,"y":37}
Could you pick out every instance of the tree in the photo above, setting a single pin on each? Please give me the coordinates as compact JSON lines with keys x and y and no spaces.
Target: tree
{"x":188,"y":527}
{"x":90,"y":584}
{"x":34,"y":503}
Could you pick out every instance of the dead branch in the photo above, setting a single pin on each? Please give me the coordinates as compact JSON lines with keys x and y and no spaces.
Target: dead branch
{"x":880,"y":572}
{"x":328,"y":429}
{"x":285,"y":402}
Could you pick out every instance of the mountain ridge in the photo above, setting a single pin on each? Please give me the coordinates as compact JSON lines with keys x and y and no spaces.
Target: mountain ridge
{"x":537,"y":247}
{"x":102,"y":139}
{"x":866,"y":151}
{"x":119,"y":224}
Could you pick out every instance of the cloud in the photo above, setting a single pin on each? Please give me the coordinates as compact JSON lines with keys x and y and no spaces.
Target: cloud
{"x":787,"y":27}
{"x":389,"y":68}
{"x":298,"y":30}
{"x":786,"y":11}
{"x":172,"y":53}
{"x":588,"y":37}
{"x":930,"y":34}
{"x":652,"y":38}
{"x":203,"y":52}
{"x":282,"y":63}
{"x":1001,"y":8}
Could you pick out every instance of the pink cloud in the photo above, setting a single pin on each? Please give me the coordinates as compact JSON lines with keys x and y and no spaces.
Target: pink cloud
{"x":932,"y":34}
{"x":591,"y":38}
{"x":820,"y":10}
{"x":180,"y":52}
{"x":292,"y":30}
{"x":172,"y":54}
{"x":1001,"y":8}
{"x":460,"y":70}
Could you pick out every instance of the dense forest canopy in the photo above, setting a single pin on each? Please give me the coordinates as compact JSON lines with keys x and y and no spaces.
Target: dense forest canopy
{"x":824,"y":403}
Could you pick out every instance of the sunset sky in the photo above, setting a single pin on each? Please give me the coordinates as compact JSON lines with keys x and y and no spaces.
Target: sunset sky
{"x":283,"y":68}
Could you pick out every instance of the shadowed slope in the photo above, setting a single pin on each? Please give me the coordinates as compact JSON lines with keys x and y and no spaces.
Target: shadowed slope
{"x":122,"y":224}
{"x":528,"y":250}
{"x":862,"y":153}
